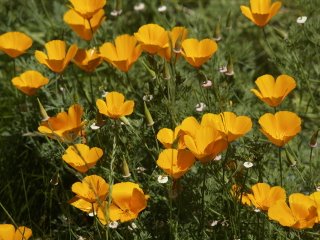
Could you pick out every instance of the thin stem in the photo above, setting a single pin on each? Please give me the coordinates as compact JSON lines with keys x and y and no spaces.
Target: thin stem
{"x":310,"y":164}
{"x":203,"y":189}
{"x":280,"y":164}
{"x":91,"y":91}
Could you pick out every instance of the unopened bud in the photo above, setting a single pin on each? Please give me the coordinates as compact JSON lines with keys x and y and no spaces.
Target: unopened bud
{"x":125,"y":120}
{"x":229,"y":71}
{"x":228,"y":22}
{"x":290,"y":158}
{"x":166,"y":72}
{"x":281,"y":33}
{"x":217,"y":32}
{"x":147,"y":114}
{"x":125,"y":169}
{"x":314,"y":139}
{"x":149,"y":70}
{"x":177,"y":45}
{"x":43,"y":112}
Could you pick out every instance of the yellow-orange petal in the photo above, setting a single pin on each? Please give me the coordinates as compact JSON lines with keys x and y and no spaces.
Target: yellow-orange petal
{"x":166,"y":137}
{"x":81,"y":157}
{"x":87,"y":8}
{"x":15,"y":43}
{"x":7,"y":231}
{"x":29,"y":82}
{"x":175,"y":162}
{"x":93,"y":188}
{"x":281,"y":213}
{"x":23,"y":233}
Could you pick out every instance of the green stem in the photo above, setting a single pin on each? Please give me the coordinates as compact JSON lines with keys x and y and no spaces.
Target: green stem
{"x":203,"y":189}
{"x":280,"y":164}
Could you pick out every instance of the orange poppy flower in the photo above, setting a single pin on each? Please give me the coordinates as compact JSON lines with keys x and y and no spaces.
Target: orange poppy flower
{"x":56,"y":58}
{"x":123,"y":53}
{"x":153,"y":38}
{"x":115,"y":106}
{"x":64,"y":126}
{"x":272,"y":91}
{"x":82,"y":26}
{"x":90,"y":193}
{"x":198,"y":52}
{"x":128,"y":200}
{"x":228,"y":123}
{"x":8,"y":232}
{"x":261,"y":11}
{"x":203,"y":141}
{"x":176,"y":36}
{"x":87,"y":60}
{"x":263,"y":196}
{"x":81,"y":157}
{"x":280,"y":127}
{"x":301,"y":214}
{"x":316,"y":198}
{"x":15,"y":43}
{"x":87,"y":8}
{"x":175,"y":162}
{"x":29,"y":82}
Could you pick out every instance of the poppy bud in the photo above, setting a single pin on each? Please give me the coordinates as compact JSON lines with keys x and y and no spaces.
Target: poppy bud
{"x":149,"y":70}
{"x":148,"y":116}
{"x":228,"y":22}
{"x":166,"y":72}
{"x":281,"y":33}
{"x":125,"y":169}
{"x":217,"y":32}
{"x":177,"y":45}
{"x":125,"y":120}
{"x":314,"y":139}
{"x":229,"y":71}
{"x":43,"y":112}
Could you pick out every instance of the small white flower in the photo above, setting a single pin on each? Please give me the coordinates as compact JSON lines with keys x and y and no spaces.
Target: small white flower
{"x":200,"y":107}
{"x":214,"y":223}
{"x":113,"y":224}
{"x":223,"y":69}
{"x":163,"y":179}
{"x":141,"y":169}
{"x":162,"y":8}
{"x":139,"y":7}
{"x":61,"y":89}
{"x":302,"y":19}
{"x":248,"y":164}
{"x":217,"y":158}
{"x":206,"y":84}
{"x":132,"y":227}
{"x":92,"y":214}
{"x":147,"y":98}
{"x":318,"y":188}
{"x":257,"y":210}
{"x":116,"y":13}
{"x":94,"y":126}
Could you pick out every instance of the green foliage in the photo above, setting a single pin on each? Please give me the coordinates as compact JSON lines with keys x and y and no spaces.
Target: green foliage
{"x":35,"y":184}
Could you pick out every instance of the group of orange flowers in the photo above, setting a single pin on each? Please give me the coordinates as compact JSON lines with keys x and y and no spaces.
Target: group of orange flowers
{"x":302,"y":212}
{"x":189,"y":141}
{"x":206,"y":140}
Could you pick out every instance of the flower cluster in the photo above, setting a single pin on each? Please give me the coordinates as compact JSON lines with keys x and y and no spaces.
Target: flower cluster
{"x":203,"y":141}
{"x":302,"y":211}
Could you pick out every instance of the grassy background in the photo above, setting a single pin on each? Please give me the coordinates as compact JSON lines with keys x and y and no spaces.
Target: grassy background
{"x":30,"y":163}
